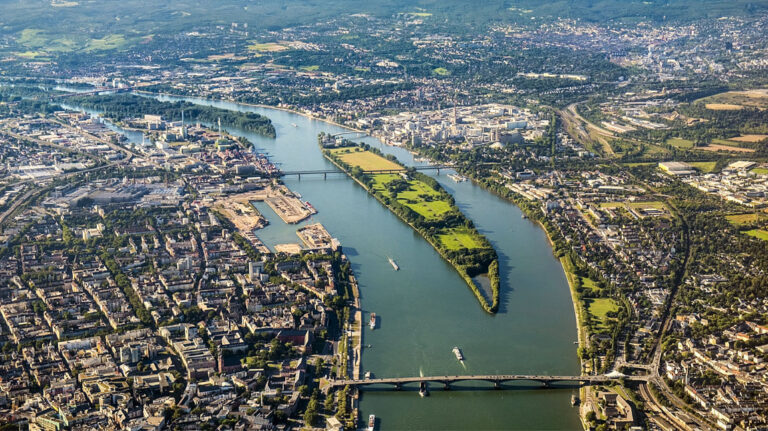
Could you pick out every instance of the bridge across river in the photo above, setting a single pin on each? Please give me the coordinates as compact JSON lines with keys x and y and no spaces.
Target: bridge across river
{"x":325,"y":172}
{"x":497,"y":379}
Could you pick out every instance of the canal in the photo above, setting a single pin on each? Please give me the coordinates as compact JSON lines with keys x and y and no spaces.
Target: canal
{"x":426,"y":308}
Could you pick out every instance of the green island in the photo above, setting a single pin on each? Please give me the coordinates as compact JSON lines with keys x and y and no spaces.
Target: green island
{"x":420,"y":201}
{"x":121,"y":106}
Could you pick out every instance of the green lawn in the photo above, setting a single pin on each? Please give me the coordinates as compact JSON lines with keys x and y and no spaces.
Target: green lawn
{"x":365,"y":160}
{"x":680,"y":142}
{"x":744,"y":219}
{"x":456,"y":239}
{"x":760,"y":171}
{"x":441,"y":71}
{"x":599,"y":309}
{"x":312,"y":68}
{"x":704,"y":167}
{"x":758,"y":233}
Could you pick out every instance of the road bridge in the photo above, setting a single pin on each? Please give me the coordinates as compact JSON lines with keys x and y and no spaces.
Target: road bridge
{"x":397,"y":383}
{"x":325,"y":172}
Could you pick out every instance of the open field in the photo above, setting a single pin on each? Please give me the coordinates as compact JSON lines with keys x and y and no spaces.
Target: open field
{"x":731,"y":148}
{"x":749,"y":138}
{"x":267,"y":47}
{"x":723,"y":106}
{"x":745,"y":219}
{"x":732,"y":100}
{"x":760,"y":171}
{"x":456,"y":239}
{"x":365,"y":160}
{"x":599,"y":309}
{"x":705,"y":167}
{"x":758,"y":233}
{"x":441,"y":71}
{"x":680,"y":142}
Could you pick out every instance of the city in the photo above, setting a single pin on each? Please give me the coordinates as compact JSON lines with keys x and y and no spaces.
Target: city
{"x":284,"y":215}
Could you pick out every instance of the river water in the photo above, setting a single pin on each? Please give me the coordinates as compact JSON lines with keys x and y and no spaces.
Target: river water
{"x":426,"y":308}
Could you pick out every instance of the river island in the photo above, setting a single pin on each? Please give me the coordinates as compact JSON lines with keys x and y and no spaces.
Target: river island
{"x":423,"y":204}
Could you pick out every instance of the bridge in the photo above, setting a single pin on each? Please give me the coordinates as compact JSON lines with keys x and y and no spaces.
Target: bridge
{"x":397,"y":383}
{"x":325,"y":172}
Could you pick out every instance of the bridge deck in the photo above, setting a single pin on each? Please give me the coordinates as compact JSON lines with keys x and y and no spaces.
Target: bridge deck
{"x":488,"y":378}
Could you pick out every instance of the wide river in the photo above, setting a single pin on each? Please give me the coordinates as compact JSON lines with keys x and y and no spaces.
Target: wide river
{"x":426,"y":308}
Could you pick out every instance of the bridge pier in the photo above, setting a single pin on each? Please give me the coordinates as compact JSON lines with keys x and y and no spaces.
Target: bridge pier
{"x":446,"y":386}
{"x":299,"y":175}
{"x":325,"y":175}
{"x":398,"y":386}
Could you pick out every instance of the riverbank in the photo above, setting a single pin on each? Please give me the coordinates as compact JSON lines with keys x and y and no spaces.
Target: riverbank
{"x":492,"y":270}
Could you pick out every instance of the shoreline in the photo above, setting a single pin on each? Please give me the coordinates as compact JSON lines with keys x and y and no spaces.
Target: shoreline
{"x":576,"y":306}
{"x":488,"y":308}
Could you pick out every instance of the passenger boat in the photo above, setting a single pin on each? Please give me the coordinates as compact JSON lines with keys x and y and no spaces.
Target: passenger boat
{"x":372,"y":322}
{"x":368,"y":375}
{"x":457,"y":178}
{"x":371,"y":422}
{"x":457,"y":352}
{"x":394,"y":265}
{"x":574,"y":399}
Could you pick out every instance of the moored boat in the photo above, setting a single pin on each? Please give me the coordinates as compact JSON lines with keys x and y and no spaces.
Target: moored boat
{"x":371,"y":422}
{"x":372,"y":322}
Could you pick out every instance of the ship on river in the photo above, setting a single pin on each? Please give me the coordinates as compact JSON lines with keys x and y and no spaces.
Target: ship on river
{"x":457,"y":352}
{"x":394,"y":264}
{"x":372,"y":321}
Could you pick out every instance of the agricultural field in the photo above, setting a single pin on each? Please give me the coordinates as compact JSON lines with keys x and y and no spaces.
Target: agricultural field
{"x":599,"y":308}
{"x":365,"y":160}
{"x":758,"y":233}
{"x":267,"y":47}
{"x":38,"y":42}
{"x":746,"y":219}
{"x":734,"y":100}
{"x":749,"y":138}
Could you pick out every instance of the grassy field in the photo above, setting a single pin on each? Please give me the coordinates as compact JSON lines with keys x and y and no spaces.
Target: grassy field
{"x":599,"y":308}
{"x":705,"y":167}
{"x":680,"y":142}
{"x":267,"y":47}
{"x":456,"y":239}
{"x":758,"y":233}
{"x":760,"y":171}
{"x":424,"y":200}
{"x":749,"y":138}
{"x":312,"y":68}
{"x":732,"y":100}
{"x":365,"y":160}
{"x":745,"y":219}
{"x":441,"y":71}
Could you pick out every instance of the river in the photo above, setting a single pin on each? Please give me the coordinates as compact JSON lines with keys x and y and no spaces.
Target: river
{"x":426,"y":308}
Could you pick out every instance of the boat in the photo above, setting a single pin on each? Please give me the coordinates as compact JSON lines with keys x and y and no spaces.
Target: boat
{"x":574,"y":399}
{"x":523,"y":216}
{"x":294,"y":125}
{"x":371,"y":422}
{"x":457,"y":352}
{"x":423,"y":390}
{"x":457,"y":178}
{"x":394,"y":265}
{"x":372,"y":322}
{"x":368,"y":375}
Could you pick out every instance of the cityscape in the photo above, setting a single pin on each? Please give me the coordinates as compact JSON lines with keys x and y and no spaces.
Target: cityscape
{"x":296,"y":215}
